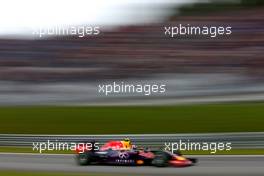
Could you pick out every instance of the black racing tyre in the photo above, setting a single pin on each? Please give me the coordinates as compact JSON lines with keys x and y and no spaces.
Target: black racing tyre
{"x":161,"y":159}
{"x":84,"y":159}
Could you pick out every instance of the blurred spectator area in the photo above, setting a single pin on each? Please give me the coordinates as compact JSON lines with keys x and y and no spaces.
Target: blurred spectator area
{"x":141,"y":51}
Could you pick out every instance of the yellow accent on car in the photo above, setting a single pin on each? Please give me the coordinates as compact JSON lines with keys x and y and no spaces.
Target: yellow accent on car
{"x":180,"y":158}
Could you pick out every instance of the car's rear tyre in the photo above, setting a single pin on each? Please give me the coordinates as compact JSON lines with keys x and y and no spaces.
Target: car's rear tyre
{"x":84,"y":159}
{"x":161,"y":159}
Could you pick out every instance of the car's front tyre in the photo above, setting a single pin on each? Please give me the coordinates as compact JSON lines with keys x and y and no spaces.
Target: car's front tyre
{"x":161,"y":159}
{"x":84,"y":159}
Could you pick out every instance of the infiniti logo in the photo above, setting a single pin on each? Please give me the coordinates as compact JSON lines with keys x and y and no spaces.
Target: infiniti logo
{"x":123,"y":155}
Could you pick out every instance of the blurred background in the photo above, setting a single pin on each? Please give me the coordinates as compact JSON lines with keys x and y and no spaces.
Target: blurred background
{"x":214,"y":86}
{"x":132,"y":48}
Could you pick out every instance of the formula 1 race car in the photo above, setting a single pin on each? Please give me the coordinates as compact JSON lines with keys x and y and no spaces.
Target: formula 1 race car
{"x":133,"y":157}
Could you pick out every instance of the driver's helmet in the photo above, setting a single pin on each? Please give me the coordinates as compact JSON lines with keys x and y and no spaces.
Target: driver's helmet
{"x":127,"y":144}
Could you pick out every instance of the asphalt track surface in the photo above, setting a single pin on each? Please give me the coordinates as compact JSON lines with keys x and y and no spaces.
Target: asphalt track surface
{"x":208,"y":165}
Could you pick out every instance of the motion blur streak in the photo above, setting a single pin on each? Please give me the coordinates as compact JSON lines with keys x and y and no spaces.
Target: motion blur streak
{"x":22,"y":18}
{"x":68,"y":69}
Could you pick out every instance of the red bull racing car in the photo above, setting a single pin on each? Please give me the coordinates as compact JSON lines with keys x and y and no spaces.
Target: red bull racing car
{"x":122,"y":153}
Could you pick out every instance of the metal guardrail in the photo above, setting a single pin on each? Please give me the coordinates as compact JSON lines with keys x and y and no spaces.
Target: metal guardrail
{"x":238,"y":140}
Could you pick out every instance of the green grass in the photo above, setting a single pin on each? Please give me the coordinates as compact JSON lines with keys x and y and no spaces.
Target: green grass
{"x":7,"y":149}
{"x":123,"y":120}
